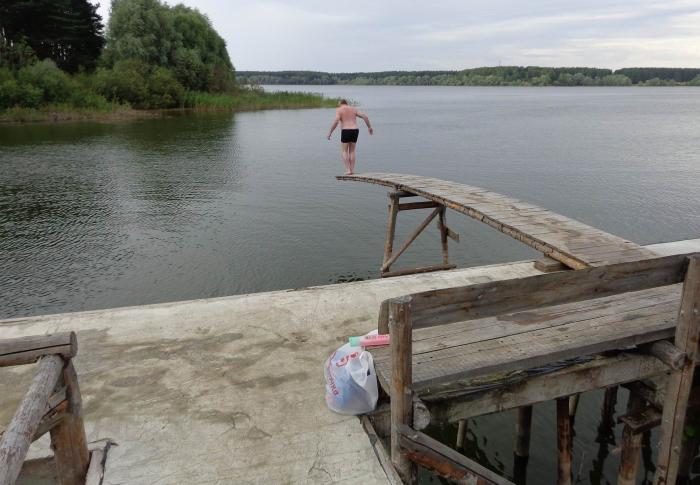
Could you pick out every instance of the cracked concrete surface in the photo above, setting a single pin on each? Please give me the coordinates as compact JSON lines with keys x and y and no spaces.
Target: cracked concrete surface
{"x":229,"y":390}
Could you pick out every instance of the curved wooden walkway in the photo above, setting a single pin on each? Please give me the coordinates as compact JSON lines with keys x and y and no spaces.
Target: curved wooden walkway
{"x":570,"y":242}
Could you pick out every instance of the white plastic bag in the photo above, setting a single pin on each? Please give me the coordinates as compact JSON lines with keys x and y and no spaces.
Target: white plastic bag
{"x":351,"y":384}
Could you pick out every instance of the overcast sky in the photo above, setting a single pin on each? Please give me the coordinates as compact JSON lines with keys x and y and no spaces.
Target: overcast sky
{"x":380,"y":35}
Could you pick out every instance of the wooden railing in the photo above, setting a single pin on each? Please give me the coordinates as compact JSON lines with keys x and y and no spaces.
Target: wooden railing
{"x":51,"y":405}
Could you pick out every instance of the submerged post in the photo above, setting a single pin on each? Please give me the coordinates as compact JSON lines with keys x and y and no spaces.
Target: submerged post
{"x":401,"y":394}
{"x":391,"y":226}
{"x":522,"y":431}
{"x":564,"y":442}
{"x":680,"y":382}
{"x":631,"y":444}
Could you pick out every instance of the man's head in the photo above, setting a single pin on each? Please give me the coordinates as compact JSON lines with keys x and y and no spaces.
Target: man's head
{"x":342,"y":102}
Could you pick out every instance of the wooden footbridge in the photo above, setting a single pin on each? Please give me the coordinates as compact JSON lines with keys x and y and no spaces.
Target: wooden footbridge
{"x":627,"y":317}
{"x":572,"y":243}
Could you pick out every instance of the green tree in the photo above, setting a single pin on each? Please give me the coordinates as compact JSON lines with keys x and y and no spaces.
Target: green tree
{"x":177,"y":38}
{"x":69,"y":32}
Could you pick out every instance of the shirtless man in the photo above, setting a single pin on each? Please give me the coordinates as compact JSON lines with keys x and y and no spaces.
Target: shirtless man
{"x":346,"y":116}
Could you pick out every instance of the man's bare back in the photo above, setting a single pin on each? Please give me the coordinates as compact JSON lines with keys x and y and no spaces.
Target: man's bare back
{"x":347,"y":116}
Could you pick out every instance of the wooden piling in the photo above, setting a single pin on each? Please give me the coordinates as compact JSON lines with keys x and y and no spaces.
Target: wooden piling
{"x":442,"y":225}
{"x":401,"y":394}
{"x":522,"y":432}
{"x":461,"y":433}
{"x":68,"y":439}
{"x":608,"y":409}
{"x":564,"y":442}
{"x":631,"y":444}
{"x":573,"y":405}
{"x":391,"y":226}
{"x":680,"y":382}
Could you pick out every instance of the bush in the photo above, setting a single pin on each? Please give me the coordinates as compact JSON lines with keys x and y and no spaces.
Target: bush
{"x":55,"y":84}
{"x":126,"y":82}
{"x":163,"y":89}
{"x":14,"y":94}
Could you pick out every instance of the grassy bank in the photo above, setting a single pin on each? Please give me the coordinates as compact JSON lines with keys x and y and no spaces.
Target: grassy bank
{"x":244,"y":100}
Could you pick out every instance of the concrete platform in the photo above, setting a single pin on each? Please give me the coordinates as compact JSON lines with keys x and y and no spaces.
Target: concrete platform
{"x":230,"y":390}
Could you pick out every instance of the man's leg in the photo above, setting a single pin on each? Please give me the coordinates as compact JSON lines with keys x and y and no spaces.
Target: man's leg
{"x":345,"y":156}
{"x":351,"y":156}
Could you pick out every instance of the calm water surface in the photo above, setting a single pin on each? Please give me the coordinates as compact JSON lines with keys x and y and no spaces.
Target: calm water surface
{"x":104,"y":215}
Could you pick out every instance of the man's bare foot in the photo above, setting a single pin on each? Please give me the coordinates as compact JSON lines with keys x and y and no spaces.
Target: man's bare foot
{"x":349,"y":173}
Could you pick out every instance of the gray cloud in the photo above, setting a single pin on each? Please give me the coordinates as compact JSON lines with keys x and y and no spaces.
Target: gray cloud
{"x":371,"y":35}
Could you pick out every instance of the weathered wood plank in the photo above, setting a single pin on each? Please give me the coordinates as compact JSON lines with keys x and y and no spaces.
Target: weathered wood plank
{"x":451,"y":404}
{"x":391,"y":226}
{"x":680,"y":382}
{"x":26,"y":350}
{"x":492,"y":298}
{"x":564,"y":442}
{"x":410,"y":239}
{"x":445,"y":461}
{"x":18,"y":435}
{"x":419,"y":270}
{"x":631,"y":445}
{"x":409,"y":206}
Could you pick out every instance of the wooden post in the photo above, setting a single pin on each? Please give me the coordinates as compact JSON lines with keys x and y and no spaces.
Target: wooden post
{"x":680,"y":382}
{"x":461,"y":434}
{"x":442,"y":225}
{"x":18,"y":435}
{"x":631,"y":444}
{"x":608,"y":410}
{"x":391,"y":226}
{"x":522,"y":432}
{"x":564,"y":442}
{"x":573,"y":405}
{"x":68,"y":439}
{"x":401,"y":394}
{"x":383,"y":319}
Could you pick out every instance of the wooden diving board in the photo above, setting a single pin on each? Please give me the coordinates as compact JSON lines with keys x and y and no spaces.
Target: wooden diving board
{"x":568,"y":241}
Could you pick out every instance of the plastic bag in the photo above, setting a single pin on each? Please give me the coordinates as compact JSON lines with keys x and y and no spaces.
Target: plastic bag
{"x":351,"y":384}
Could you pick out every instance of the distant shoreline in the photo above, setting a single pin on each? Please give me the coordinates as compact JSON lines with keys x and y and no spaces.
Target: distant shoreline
{"x":485,"y":76}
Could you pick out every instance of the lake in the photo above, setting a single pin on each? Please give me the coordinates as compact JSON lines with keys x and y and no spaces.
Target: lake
{"x":99,"y":215}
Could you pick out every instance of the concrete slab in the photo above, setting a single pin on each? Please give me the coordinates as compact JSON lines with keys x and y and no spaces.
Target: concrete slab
{"x":229,"y":390}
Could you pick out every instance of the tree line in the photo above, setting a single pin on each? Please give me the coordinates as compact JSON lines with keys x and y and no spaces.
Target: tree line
{"x":151,"y":56}
{"x":487,"y":76}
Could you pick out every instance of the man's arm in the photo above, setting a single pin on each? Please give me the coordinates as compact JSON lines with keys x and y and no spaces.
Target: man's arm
{"x":366,"y":120}
{"x":336,"y":120}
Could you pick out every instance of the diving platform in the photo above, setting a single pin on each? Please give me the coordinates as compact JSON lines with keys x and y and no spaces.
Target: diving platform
{"x":570,"y":242}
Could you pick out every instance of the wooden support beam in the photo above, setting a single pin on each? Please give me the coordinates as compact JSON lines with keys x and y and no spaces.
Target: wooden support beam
{"x":423,"y":269}
{"x":461,"y":434}
{"x":522,"y":432}
{"x":411,"y":238}
{"x":409,"y":206}
{"x":391,"y":227}
{"x":564,"y":442}
{"x":18,"y":435}
{"x":380,"y":451}
{"x":401,"y":394}
{"x":666,"y":352}
{"x":452,"y":235}
{"x":442,"y":227}
{"x":680,"y":382}
{"x":573,"y":405}
{"x":403,"y":194}
{"x":445,"y":461}
{"x":26,"y":350}
{"x":601,"y":372}
{"x":607,"y":412}
{"x":68,"y":439}
{"x":631,"y":444}
{"x":549,"y":265}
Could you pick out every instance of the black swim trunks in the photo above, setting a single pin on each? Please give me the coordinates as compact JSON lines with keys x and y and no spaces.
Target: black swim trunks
{"x":349,"y":136}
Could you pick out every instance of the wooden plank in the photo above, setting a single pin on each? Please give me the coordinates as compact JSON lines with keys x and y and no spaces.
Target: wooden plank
{"x":549,"y":265}
{"x":422,"y":269}
{"x":445,"y":461}
{"x":24,"y":424}
{"x":401,"y":393}
{"x":474,"y":301}
{"x":667,"y":353}
{"x":451,"y":404}
{"x":409,"y":206}
{"x":680,"y":382}
{"x":442,"y":227}
{"x":26,"y":350}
